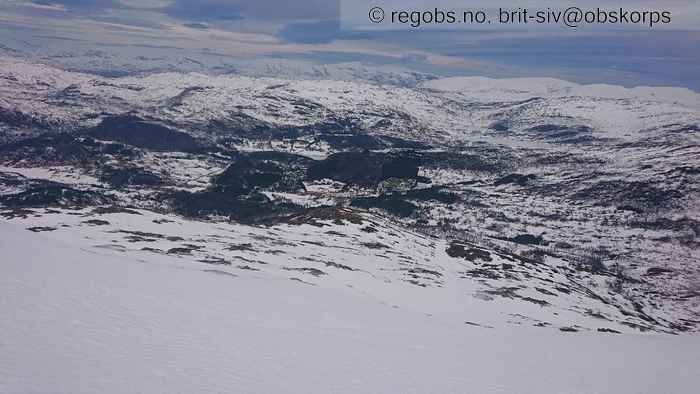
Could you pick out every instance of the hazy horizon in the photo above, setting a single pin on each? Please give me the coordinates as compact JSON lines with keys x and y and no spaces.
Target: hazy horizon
{"x":310,"y":32}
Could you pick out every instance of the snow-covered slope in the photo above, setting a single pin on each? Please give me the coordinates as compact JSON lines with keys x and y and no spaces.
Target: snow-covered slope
{"x":530,"y":202}
{"x":82,"y":321}
{"x":337,"y":249}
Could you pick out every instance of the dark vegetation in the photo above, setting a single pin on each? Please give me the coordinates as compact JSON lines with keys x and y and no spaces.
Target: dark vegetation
{"x":434,"y":193}
{"x":17,"y":119}
{"x":366,"y":168}
{"x":129,"y":176}
{"x":274,"y":171}
{"x":636,"y":194}
{"x":52,"y":194}
{"x":563,"y":134}
{"x":248,"y":208}
{"x":529,"y":239}
{"x":488,"y":162}
{"x":60,"y":149}
{"x":340,"y":134}
{"x":134,"y":131}
{"x":393,"y":204}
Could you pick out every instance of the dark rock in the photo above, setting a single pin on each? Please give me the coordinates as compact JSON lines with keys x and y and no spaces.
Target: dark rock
{"x":529,"y":239}
{"x":472,"y":254}
{"x":316,"y":216}
{"x":114,"y":209}
{"x":40,"y":229}
{"x":630,"y":208}
{"x":545,"y":291}
{"x":248,"y":247}
{"x":339,"y":266}
{"x":500,"y":125}
{"x":424,"y":271}
{"x":313,"y":271}
{"x":374,"y":245}
{"x":535,"y":301}
{"x":516,"y":179}
{"x":655,"y":271}
{"x":96,"y":222}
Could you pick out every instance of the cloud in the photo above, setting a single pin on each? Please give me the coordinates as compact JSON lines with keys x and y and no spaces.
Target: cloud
{"x":204,"y":10}
{"x":145,"y":4}
{"x":45,"y":6}
{"x":264,"y":10}
{"x":196,"y":25}
{"x":78,"y":4}
{"x":311,"y":33}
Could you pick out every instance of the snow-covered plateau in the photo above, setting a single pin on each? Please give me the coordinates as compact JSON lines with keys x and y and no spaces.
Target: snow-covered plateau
{"x":185,"y":232}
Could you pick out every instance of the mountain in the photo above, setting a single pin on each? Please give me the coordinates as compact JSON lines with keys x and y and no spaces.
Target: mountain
{"x":486,"y":203}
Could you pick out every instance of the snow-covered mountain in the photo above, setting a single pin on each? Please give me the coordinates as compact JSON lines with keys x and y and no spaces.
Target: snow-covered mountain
{"x":116,"y":60}
{"x":470,"y":203}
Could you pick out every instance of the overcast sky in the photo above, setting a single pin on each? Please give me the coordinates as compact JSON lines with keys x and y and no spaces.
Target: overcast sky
{"x":669,"y":55}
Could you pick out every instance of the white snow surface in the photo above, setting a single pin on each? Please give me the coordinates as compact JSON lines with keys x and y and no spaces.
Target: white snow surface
{"x":79,"y":320}
{"x":524,"y":88}
{"x":443,"y":110}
